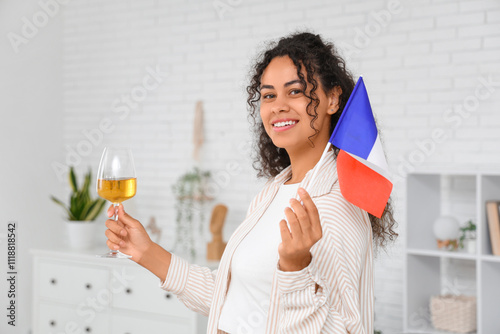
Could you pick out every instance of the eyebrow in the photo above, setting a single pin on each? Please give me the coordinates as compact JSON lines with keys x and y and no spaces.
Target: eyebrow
{"x":289,"y":83}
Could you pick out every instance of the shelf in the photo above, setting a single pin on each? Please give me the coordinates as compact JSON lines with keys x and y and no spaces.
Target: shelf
{"x":490,"y":191}
{"x":442,"y":253}
{"x":491,"y":295}
{"x":430,"y":271}
{"x":491,"y":258}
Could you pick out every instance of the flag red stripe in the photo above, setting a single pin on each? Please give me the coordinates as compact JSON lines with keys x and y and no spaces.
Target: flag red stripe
{"x":361,"y":185}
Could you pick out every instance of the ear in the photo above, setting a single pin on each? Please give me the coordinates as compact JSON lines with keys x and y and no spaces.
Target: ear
{"x":334,"y":100}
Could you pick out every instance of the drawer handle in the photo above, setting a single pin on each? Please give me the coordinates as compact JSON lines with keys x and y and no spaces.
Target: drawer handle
{"x":168,"y":295}
{"x":53,"y":281}
{"x":52,"y":323}
{"x":128,"y":291}
{"x":88,"y":329}
{"x":88,"y":286}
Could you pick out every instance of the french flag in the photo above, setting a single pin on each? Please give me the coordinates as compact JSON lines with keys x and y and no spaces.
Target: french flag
{"x":361,"y":165}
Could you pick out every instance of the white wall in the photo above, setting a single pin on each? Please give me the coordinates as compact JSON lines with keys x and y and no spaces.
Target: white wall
{"x":421,"y":60}
{"x":422,"y":65}
{"x":30,"y":140}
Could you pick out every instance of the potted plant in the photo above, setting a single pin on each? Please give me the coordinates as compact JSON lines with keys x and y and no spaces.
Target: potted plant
{"x":190,"y":192}
{"x":81,"y":211}
{"x":468,"y":235}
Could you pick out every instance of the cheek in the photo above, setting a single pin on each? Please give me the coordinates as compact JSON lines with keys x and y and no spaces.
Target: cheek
{"x":300,"y":105}
{"x":264,"y":118}
{"x":265,"y":112}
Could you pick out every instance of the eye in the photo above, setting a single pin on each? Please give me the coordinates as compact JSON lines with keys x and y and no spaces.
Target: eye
{"x":268,"y":96}
{"x":295,"y":91}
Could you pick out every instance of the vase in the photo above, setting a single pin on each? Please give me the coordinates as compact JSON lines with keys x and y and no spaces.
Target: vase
{"x":80,"y":234}
{"x":470,"y":246}
{"x":446,"y":228}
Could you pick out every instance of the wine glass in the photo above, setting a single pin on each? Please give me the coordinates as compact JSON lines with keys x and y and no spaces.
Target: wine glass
{"x":116,"y":182}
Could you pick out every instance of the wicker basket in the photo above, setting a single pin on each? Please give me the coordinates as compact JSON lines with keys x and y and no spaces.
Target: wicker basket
{"x":454,"y":313}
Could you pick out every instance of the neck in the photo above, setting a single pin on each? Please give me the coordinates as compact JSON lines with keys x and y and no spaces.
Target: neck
{"x":304,"y":161}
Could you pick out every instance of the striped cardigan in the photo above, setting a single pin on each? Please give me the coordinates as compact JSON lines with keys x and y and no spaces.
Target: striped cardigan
{"x":334,"y":294}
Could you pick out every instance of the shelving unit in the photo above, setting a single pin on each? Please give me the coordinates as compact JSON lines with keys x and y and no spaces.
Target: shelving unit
{"x":464,"y":194}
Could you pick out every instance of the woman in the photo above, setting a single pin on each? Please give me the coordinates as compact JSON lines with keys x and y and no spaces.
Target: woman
{"x":310,"y":273}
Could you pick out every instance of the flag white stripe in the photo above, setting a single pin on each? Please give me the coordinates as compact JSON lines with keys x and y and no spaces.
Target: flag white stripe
{"x":377,"y":156}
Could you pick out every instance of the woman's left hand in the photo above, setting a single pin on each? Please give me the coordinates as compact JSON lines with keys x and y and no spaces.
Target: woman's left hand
{"x":305,"y":230}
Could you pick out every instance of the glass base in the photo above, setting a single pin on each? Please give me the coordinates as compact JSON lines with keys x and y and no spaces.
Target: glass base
{"x":113,"y":254}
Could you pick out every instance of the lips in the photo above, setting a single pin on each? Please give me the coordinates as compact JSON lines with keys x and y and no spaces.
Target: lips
{"x":283,"y":124}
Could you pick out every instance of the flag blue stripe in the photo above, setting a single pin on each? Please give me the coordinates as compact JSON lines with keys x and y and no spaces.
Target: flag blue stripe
{"x":356,"y":131}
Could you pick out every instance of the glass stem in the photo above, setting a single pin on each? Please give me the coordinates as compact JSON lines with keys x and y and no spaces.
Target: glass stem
{"x":115,"y":218}
{"x":116,"y":205}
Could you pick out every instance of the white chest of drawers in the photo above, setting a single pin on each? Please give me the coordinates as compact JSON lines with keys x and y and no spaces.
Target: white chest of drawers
{"x":76,"y":292}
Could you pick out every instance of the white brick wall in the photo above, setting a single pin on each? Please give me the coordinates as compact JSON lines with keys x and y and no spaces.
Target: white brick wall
{"x":423,"y":60}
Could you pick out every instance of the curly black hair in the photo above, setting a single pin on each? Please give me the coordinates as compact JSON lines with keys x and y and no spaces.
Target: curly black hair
{"x":321,"y":60}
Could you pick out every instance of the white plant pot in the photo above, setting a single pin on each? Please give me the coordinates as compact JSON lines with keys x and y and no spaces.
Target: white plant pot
{"x":471,"y":246}
{"x":81,"y":235}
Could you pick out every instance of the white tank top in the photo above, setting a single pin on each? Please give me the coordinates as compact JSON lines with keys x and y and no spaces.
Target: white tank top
{"x":252,"y":268}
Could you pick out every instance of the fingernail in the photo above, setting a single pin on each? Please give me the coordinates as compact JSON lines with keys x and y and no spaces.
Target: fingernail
{"x":302,"y":191}
{"x":122,"y":232}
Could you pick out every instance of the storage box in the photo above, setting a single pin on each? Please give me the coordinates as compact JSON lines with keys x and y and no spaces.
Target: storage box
{"x":454,"y":313}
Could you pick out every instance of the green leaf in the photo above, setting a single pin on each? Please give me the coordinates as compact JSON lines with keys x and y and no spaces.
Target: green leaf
{"x":81,"y":205}
{"x":85,"y":211}
{"x":70,"y":216}
{"x":86,"y":183}
{"x":83,"y":197}
{"x":92,"y":209}
{"x":58,"y":201}
{"x":72,"y":179}
{"x":76,"y":206}
{"x":96,"y":209}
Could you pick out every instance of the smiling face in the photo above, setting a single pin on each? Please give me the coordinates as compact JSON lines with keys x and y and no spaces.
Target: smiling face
{"x":283,"y":108}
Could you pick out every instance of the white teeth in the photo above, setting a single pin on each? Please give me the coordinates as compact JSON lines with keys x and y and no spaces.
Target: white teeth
{"x":281,"y":124}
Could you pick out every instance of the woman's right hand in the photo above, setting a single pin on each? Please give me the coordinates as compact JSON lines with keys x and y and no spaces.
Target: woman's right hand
{"x":127,"y":234}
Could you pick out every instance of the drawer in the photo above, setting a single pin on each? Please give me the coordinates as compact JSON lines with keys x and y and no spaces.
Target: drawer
{"x":71,"y":283}
{"x":141,"y":292}
{"x":53,"y":318}
{"x":131,"y":325}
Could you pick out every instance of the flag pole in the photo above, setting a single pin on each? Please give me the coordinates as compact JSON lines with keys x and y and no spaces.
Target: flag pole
{"x":316,"y":168}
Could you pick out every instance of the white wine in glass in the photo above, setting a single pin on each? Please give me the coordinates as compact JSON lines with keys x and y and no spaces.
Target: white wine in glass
{"x":116,"y":182}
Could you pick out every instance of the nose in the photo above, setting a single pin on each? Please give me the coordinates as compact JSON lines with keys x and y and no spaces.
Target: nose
{"x":279,"y":105}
